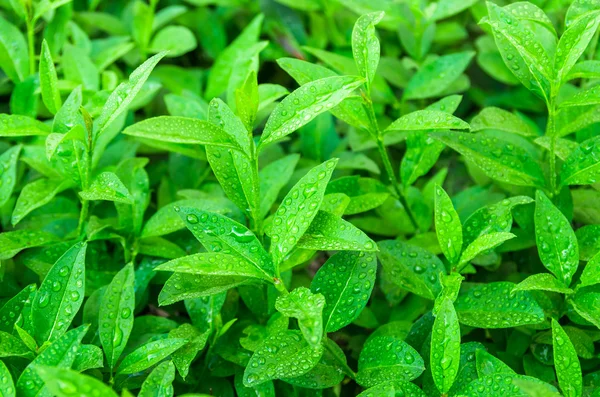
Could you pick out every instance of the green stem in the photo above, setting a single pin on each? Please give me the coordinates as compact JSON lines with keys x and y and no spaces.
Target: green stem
{"x":85,"y":208}
{"x":343,"y":364}
{"x":31,"y":45}
{"x":551,"y":132}
{"x":387,"y":164}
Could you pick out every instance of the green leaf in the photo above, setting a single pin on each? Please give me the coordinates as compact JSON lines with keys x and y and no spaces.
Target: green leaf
{"x":217,"y":232}
{"x":493,"y":305}
{"x":160,"y":381}
{"x":12,"y":309}
{"x":182,"y":286}
{"x":49,"y":80}
{"x":568,"y":368}
{"x":60,"y":295}
{"x":502,"y":385}
{"x":365,"y":193}
{"x":589,"y":276}
{"x":306,"y":103}
{"x":298,"y":209}
{"x":330,"y":232}
{"x":542,"y":282}
{"x":214,"y":264}
{"x":7,"y":386}
{"x":573,"y":43}
{"x":166,"y":220}
{"x":107,"y":186}
{"x":482,"y":244}
{"x":422,"y":152}
{"x":556,"y":241}
{"x":307,"y":307}
{"x":222,"y":68}
{"x":148,"y":355}
{"x":445,"y":347}
{"x":589,"y":69}
{"x":389,"y":389}
{"x":448,"y":8}
{"x":386,"y":357}
{"x":412,"y":268}
{"x":451,"y":284}
{"x":563,"y":147}
{"x":346,"y":281}
{"x":273,"y":178}
{"x":184,"y":357}
{"x":365,"y":45}
{"x":8,"y":177}
{"x":246,"y":100}
{"x":177,"y":40}
{"x":493,"y":118}
{"x":14,"y":59}
{"x":62,"y":382}
{"x":13,"y":125}
{"x":182,"y":130}
{"x":495,"y":218}
{"x":581,"y":167}
{"x":447,"y":226}
{"x":79,"y":68}
{"x":434,"y":77}
{"x":521,"y":51}
{"x":328,"y":371}
{"x":120,"y":99}
{"x":11,"y":346}
{"x":283,"y":355}
{"x":61,"y":354}
{"x":88,"y":357}
{"x":497,"y":158}
{"x":11,"y":243}
{"x":116,"y":314}
{"x":585,"y":303}
{"x":584,"y":97}
{"x":427,"y":120}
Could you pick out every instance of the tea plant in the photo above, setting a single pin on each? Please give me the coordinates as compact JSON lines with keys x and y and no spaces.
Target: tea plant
{"x":297,"y":198}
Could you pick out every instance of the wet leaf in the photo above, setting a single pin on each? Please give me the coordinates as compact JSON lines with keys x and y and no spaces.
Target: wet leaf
{"x":298,"y":208}
{"x":307,"y":307}
{"x":445,"y":347}
{"x":148,"y":355}
{"x":116,"y":314}
{"x":385,"y":357}
{"x":60,"y":295}
{"x":64,"y":382}
{"x":566,"y":362}
{"x":282,"y":355}
{"x":494,"y":305}
{"x":447,"y":226}
{"x":346,"y":281}
{"x":557,"y":244}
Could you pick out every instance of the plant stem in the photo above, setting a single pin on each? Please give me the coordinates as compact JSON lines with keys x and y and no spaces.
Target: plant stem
{"x":387,"y":164}
{"x":31,"y":45}
{"x":85,"y":207}
{"x":551,"y":132}
{"x":343,"y":364}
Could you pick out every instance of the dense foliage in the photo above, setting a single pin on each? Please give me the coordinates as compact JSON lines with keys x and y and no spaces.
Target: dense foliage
{"x":299,"y":198}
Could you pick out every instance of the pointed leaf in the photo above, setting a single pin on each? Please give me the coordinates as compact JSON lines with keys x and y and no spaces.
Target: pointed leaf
{"x":282,"y":355}
{"x":387,"y":357}
{"x":566,"y":362}
{"x":493,"y":305}
{"x":116,"y":314}
{"x":64,"y":382}
{"x":217,"y":232}
{"x":445,"y":347}
{"x":427,"y":120}
{"x":60,"y":295}
{"x":298,"y":209}
{"x":148,"y":355}
{"x":306,"y":103}
{"x":365,"y":45}
{"x":49,"y":80}
{"x":556,"y":241}
{"x":447,"y":226}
